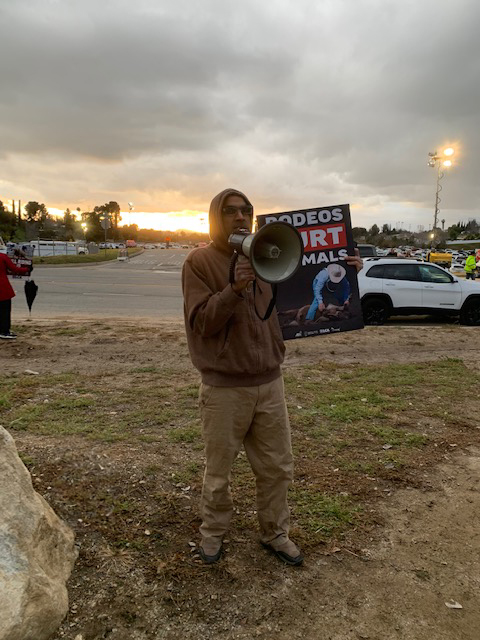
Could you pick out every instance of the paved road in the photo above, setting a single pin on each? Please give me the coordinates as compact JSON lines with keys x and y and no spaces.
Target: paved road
{"x":147,"y":286}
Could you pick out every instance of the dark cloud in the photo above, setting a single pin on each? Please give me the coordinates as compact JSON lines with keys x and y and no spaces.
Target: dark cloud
{"x":295,"y":101}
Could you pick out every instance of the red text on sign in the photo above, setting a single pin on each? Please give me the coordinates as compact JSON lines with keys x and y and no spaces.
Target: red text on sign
{"x":325,"y":237}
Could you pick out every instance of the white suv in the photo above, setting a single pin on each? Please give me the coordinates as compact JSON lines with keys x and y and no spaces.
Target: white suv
{"x":390,"y":286}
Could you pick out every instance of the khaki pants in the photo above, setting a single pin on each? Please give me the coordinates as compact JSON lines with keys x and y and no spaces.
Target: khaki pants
{"x":257,"y":418}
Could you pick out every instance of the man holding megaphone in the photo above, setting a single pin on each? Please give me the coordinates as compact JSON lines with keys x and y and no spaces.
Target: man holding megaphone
{"x":238,"y":352}
{"x":236,"y":343}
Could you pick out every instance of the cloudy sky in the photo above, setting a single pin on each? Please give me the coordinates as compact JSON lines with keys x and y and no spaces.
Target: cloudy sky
{"x":299,"y":103}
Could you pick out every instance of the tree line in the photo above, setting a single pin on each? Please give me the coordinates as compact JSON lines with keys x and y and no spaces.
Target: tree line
{"x":38,"y":223}
{"x":389,"y":236}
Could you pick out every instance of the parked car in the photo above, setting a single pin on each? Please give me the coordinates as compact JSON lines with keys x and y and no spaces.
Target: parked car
{"x":390,"y":286}
{"x":440,"y":257}
{"x":367,"y":250}
{"x":457,"y":267}
{"x":149,"y":245}
{"x":108,"y":245}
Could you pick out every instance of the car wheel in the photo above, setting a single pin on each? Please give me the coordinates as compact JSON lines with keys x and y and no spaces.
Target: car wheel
{"x":375,"y":311}
{"x":470,"y":314}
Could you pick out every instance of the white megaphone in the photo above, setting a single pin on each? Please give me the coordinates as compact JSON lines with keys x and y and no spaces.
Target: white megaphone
{"x":275,"y":251}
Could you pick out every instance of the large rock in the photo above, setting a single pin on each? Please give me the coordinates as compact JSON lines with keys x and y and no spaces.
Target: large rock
{"x":37,"y":554}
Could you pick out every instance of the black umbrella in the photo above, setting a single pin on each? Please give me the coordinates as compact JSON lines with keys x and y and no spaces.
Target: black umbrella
{"x":30,"y":293}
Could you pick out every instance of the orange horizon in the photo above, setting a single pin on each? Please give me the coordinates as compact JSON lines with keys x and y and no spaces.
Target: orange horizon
{"x":186,"y":220}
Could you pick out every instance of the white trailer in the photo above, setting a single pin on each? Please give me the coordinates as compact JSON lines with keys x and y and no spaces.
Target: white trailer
{"x":45,"y":248}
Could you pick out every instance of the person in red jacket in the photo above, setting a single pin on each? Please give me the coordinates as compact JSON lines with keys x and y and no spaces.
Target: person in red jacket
{"x":7,"y":293}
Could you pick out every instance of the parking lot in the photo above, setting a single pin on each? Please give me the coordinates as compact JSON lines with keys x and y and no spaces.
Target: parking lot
{"x":147,"y":286}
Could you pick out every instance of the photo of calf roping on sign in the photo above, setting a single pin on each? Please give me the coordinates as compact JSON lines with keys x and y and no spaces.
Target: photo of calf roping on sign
{"x":322,"y":296}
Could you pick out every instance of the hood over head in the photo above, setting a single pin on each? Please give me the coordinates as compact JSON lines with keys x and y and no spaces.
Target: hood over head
{"x":217,"y":230}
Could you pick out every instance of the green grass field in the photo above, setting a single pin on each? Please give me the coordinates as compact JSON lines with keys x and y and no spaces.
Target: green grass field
{"x":352,"y":428}
{"x":102,"y":256}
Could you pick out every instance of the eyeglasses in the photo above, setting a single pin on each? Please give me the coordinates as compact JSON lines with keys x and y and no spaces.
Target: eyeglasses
{"x":246,"y":210}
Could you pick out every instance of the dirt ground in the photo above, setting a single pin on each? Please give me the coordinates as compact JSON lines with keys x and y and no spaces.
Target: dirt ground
{"x":392,"y":578}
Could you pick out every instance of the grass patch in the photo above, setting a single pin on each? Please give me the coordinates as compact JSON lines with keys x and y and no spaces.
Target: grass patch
{"x":321,"y":516}
{"x":27,"y":460}
{"x":349,"y":426}
{"x":103,"y":255}
{"x":100,"y":406}
{"x":393,"y":436}
{"x":5,"y":400}
{"x":368,"y":420}
{"x":187,"y":474}
{"x":186,"y":434}
{"x":189,"y":391}
{"x":331,"y":411}
{"x":356,"y":466}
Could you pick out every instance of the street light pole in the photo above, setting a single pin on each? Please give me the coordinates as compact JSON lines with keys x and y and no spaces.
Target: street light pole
{"x":437,"y":197}
{"x":439,"y":161}
{"x":105,"y":223}
{"x":130,"y":209}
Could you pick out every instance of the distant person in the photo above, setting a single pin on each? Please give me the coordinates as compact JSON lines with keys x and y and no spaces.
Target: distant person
{"x":470,"y":266}
{"x":7,"y":293}
{"x":330,"y":287}
{"x":19,"y":253}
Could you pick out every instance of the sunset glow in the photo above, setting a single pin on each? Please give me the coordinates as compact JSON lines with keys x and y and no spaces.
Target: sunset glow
{"x":171,"y":221}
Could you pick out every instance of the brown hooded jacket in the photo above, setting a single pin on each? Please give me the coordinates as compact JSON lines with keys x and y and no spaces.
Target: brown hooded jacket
{"x":228,"y":343}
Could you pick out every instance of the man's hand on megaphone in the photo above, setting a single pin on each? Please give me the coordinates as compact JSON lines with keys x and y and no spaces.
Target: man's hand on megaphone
{"x":243,"y":274}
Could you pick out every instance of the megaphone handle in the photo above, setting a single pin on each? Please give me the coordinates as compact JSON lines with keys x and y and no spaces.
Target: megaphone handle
{"x":271,"y":304}
{"x":231,"y":279}
{"x":231,"y":268}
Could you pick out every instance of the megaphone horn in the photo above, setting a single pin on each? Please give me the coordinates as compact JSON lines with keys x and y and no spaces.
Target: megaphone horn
{"x":275,"y":251}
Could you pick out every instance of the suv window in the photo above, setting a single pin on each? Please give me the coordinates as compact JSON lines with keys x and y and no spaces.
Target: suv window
{"x":401,"y":272}
{"x":432,"y":274}
{"x":375,"y":272}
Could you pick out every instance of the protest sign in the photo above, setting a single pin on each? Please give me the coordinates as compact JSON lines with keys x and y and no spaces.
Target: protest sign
{"x":20,"y":261}
{"x":322,"y":297}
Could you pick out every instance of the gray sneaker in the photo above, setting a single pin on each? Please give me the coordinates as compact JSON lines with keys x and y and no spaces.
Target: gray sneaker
{"x":210,"y":550}
{"x":7,"y":336}
{"x":288,"y":552}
